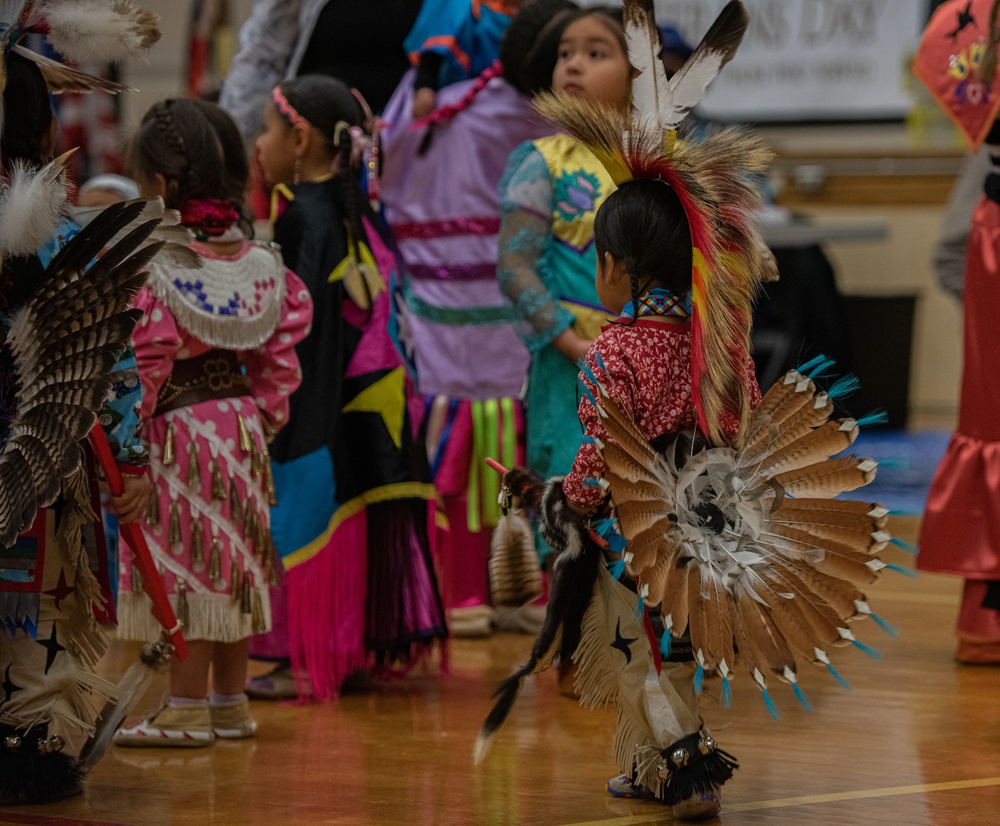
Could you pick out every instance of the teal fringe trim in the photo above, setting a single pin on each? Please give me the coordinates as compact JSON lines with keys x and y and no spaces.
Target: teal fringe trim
{"x":699,"y":679}
{"x":844,"y":386}
{"x":815,"y":367}
{"x":885,"y":625}
{"x":874,"y":418}
{"x":867,"y":649}
{"x":618,"y":569}
{"x":909,"y":547}
{"x":801,"y":697}
{"x":907,"y":572}
{"x":726,"y":697}
{"x":665,"y":642}
{"x":769,"y":703}
{"x":839,"y":678}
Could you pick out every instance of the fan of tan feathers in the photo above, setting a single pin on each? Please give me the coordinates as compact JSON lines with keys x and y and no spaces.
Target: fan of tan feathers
{"x":747,"y":548}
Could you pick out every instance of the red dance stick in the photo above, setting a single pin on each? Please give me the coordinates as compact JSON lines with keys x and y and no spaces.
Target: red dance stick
{"x":493,"y":463}
{"x":163,"y":612}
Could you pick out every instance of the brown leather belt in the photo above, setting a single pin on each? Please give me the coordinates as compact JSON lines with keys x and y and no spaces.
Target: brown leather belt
{"x":217,"y":374}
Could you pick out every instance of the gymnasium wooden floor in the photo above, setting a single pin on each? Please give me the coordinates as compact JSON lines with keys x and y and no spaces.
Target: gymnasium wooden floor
{"x":917,"y":741}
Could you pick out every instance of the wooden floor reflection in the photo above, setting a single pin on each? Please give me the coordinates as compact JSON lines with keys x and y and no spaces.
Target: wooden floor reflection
{"x":917,"y":741}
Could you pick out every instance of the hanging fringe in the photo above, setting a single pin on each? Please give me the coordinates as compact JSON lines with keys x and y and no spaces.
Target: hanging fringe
{"x":236,"y":332}
{"x":209,"y":616}
{"x":85,"y":639}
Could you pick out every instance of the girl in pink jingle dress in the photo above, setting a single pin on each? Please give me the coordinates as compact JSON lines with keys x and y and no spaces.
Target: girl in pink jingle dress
{"x":216,"y":348}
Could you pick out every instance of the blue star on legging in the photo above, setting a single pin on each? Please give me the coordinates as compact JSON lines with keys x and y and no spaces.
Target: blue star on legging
{"x":623,"y":644}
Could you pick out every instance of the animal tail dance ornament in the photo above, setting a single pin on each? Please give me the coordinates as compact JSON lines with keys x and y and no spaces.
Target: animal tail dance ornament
{"x":729,"y":552}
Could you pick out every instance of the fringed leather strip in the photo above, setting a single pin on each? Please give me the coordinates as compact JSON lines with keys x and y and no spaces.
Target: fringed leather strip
{"x":596,"y":675}
{"x":85,"y":639}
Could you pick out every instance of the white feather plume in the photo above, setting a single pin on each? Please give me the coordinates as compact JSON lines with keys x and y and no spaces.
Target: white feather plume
{"x":651,"y":95}
{"x":716,"y":49}
{"x":31,"y":206}
{"x":99,"y":31}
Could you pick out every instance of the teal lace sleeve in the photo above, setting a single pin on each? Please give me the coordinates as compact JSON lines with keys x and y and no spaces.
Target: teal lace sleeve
{"x":525,"y":233}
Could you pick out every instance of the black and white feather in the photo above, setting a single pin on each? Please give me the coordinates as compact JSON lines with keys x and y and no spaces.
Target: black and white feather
{"x":59,"y":352}
{"x":61,"y":78}
{"x":667,"y":102}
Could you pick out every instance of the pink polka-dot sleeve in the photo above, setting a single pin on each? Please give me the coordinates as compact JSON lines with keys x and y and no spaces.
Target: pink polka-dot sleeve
{"x":157,"y":340}
{"x":273,"y":369}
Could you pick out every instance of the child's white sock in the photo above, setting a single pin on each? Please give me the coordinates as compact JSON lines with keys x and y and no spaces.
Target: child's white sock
{"x":217,"y":699}
{"x":180,"y":702}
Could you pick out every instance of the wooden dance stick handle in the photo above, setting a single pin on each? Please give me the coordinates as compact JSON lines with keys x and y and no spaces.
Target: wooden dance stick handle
{"x":152,"y":584}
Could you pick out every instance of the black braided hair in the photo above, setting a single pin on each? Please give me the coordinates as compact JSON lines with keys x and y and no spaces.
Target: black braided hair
{"x":197,"y":148}
{"x":27,"y":113}
{"x":333,"y":111}
{"x":642,"y":224}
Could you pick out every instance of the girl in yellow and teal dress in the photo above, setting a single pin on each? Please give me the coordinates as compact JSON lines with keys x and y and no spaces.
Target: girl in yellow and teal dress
{"x":550,"y":193}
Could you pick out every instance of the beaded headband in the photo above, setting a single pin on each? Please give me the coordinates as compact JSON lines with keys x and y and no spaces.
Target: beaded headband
{"x":286,"y":109}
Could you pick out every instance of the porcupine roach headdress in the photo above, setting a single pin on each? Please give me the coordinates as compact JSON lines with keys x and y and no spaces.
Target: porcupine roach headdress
{"x":712,"y":181}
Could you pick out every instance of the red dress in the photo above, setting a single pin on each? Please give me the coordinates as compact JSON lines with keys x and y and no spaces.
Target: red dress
{"x":961,"y":526}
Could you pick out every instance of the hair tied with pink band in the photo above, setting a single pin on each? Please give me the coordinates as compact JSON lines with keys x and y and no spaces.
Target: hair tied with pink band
{"x":282,"y":105}
{"x":360,"y":142}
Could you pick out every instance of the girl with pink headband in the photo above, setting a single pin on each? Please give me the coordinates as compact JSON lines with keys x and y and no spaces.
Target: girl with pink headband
{"x":354,"y":491}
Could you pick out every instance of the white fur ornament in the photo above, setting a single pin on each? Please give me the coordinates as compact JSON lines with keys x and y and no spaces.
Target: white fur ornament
{"x":31,"y":206}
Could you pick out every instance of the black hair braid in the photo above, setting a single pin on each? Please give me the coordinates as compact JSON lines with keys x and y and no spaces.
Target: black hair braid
{"x":342,"y":140}
{"x":633,"y":280}
{"x":175,"y":140}
{"x":165,"y":122}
